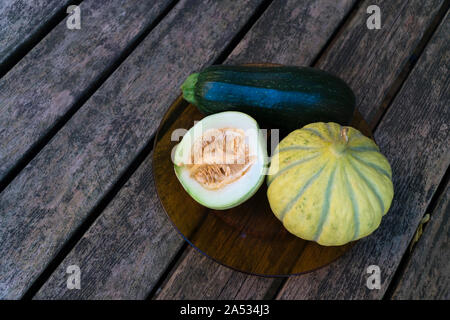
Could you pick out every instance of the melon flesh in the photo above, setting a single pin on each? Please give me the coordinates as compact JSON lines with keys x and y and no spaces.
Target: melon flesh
{"x":220,"y":161}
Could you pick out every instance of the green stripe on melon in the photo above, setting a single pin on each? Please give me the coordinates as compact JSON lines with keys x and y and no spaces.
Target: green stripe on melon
{"x":329,"y":184}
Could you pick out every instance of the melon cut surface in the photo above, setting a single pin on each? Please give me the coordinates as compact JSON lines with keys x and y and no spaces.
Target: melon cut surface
{"x":221,"y":160}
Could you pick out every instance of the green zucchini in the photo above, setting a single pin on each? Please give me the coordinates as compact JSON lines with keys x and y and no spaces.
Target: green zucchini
{"x":281,"y":96}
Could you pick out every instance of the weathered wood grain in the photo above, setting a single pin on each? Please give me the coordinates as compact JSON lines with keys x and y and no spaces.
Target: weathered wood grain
{"x":42,"y":207}
{"x":125,"y":251}
{"x":21,"y":20}
{"x":427,"y":273}
{"x":60,"y":70}
{"x":386,"y":61}
{"x":371,"y":60}
{"x":414,"y":136}
{"x":289,"y":32}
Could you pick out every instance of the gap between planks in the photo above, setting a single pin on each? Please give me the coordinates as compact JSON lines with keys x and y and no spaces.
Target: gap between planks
{"x":402,"y":76}
{"x":104,"y":201}
{"x":22,"y":49}
{"x":337,"y":33}
{"x":90,"y":219}
{"x":137,"y":161}
{"x":41,"y":143}
{"x":278,"y":283}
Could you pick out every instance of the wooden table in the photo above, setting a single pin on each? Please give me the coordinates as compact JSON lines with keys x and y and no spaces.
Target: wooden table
{"x":79,"y":109}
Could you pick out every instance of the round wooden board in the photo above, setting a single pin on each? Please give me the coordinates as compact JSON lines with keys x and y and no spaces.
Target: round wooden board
{"x":247,"y":238}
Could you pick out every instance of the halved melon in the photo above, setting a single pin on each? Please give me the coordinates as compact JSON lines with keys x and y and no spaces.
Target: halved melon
{"x":221,"y":161}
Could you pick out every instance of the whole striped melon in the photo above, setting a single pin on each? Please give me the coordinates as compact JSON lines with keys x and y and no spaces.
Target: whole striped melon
{"x":329,"y":184}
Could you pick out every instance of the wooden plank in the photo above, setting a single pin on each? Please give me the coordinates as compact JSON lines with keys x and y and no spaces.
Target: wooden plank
{"x":86,"y":251}
{"x":62,"y":68}
{"x":22,"y":20}
{"x":51,"y":197}
{"x":427,"y":272}
{"x":349,"y":41}
{"x":414,"y":137}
